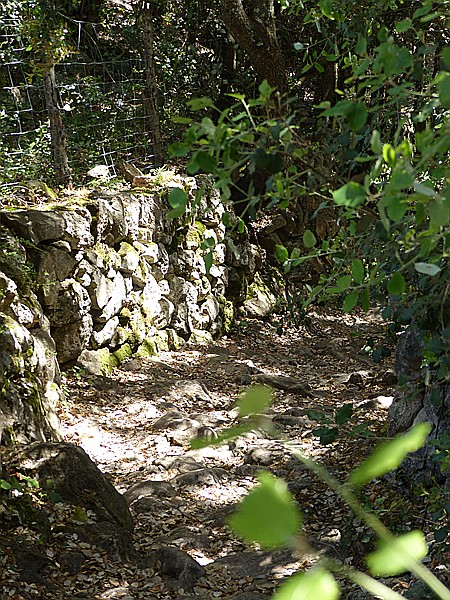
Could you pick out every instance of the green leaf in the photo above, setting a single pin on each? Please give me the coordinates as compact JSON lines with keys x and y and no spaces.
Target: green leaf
{"x":327,"y":435}
{"x":403,"y":25}
{"x":309,"y":239}
{"x":343,"y":283}
{"x":351,"y":194}
{"x":446,"y":56}
{"x":80,"y":514}
{"x":395,"y":206}
{"x":350,"y":301}
{"x":177,"y":197}
{"x":208,"y":261}
{"x":268,"y":514}
{"x":4,"y":485}
{"x":439,"y":210}
{"x":326,"y":6}
{"x":340,"y":109}
{"x":254,"y":400}
{"x":265,"y":90}
{"x":317,"y":584}
{"x":205,"y":161}
{"x":182,"y":121}
{"x":365,"y":299}
{"x":389,"y":155}
{"x":281,"y":253}
{"x":358,"y":271}
{"x":317,"y":415}
{"x":179,"y":149}
{"x":375,"y":142}
{"x":389,"y":559}
{"x":361,"y":46}
{"x":427,"y":268}
{"x":344,"y":413}
{"x":444,"y":91}
{"x":389,"y":455}
{"x":396,"y":284}
{"x":357,"y":117}
{"x":199,"y":103}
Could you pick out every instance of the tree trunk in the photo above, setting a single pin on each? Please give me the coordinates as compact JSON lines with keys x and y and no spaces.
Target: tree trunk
{"x":150,"y":100}
{"x":253,"y":28}
{"x":57,"y":130}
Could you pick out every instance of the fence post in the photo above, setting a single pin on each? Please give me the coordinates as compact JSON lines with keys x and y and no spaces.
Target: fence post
{"x":150,"y":101}
{"x":57,"y":130}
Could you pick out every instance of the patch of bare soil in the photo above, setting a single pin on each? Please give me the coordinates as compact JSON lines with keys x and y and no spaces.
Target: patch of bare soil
{"x":137,"y":424}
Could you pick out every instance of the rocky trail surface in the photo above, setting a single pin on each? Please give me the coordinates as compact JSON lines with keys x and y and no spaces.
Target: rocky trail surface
{"x":136,"y":426}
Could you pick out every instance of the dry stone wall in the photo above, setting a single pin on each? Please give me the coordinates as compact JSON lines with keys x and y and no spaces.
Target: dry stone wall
{"x":96,"y":281}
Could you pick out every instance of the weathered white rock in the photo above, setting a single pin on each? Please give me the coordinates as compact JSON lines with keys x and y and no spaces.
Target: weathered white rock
{"x":149,"y":251}
{"x":106,"y":333}
{"x":110,"y":224}
{"x":72,"y":303}
{"x":55,"y":266}
{"x":117,"y":299}
{"x":8,"y":291}
{"x":129,"y":258}
{"x":72,"y":338}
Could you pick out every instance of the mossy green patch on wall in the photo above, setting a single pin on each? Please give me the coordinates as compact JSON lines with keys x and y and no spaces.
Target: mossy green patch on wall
{"x":108,"y":362}
{"x":122,"y":353}
{"x":147,"y":348}
{"x":228,"y":313}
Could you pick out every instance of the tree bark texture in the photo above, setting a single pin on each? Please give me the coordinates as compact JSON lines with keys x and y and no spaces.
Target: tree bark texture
{"x":254,"y":29}
{"x":57,"y":130}
{"x":150,"y":98}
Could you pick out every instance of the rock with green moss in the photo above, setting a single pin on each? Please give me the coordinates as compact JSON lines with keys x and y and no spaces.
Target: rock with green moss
{"x":200,"y":337}
{"x":29,"y":377}
{"x":227,"y":313}
{"x":260,"y":301}
{"x":147,"y":348}
{"x":129,"y":258}
{"x":122,"y":353}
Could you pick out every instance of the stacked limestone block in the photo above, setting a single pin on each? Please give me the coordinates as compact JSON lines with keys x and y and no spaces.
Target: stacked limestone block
{"x":110,"y":277}
{"x":29,"y":372}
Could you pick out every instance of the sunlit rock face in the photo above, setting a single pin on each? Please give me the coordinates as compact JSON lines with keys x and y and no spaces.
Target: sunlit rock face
{"x":95,"y":282}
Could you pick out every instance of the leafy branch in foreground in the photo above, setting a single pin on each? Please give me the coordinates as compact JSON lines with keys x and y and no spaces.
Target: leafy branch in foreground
{"x":269,"y":516}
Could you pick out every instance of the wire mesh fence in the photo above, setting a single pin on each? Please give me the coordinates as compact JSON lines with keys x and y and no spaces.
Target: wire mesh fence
{"x":102,"y":108}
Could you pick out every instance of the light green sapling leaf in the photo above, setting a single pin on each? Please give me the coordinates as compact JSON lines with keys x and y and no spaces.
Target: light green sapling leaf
{"x":254,"y":400}
{"x":317,"y":584}
{"x":446,"y":56}
{"x":351,"y":194}
{"x":268,"y":514}
{"x":389,"y":559}
{"x":443,"y":87}
{"x":358,"y":270}
{"x":199,"y":103}
{"x":396,"y":284}
{"x":427,"y":268}
{"x":350,"y":301}
{"x":208,"y":261}
{"x":389,"y":455}
{"x":357,"y":117}
{"x":344,"y":413}
{"x":309,"y":239}
{"x":178,"y":200}
{"x":365,"y":299}
{"x":281,"y":253}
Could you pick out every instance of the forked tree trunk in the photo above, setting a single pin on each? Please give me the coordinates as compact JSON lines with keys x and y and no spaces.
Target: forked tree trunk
{"x":254,"y":29}
{"x":150,"y":98}
{"x":57,"y":131}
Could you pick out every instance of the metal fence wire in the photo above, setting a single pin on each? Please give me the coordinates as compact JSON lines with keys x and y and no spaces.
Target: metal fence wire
{"x":102,"y":109}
